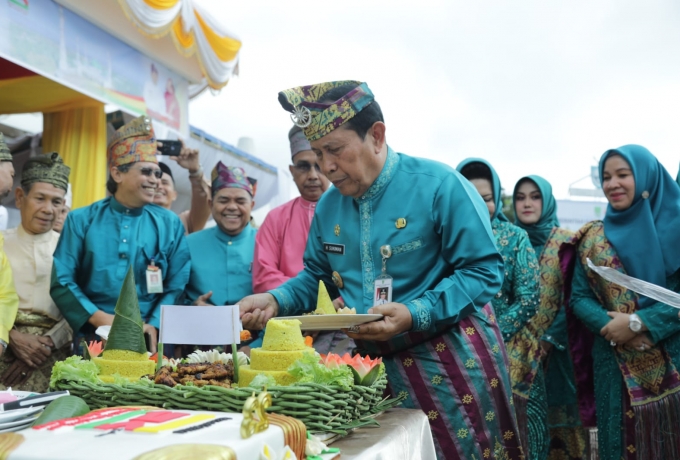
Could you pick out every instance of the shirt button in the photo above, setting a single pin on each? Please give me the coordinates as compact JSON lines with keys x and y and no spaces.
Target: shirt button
{"x":229,"y":243}
{"x":124,"y":241}
{"x":126,"y":226}
{"x":127,"y":211}
{"x":123,"y":256}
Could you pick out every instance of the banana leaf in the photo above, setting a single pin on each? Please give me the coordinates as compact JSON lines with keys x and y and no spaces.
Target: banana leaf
{"x":127,"y":330}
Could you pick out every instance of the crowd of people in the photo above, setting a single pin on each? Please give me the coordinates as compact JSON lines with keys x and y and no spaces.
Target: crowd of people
{"x":497,"y":330}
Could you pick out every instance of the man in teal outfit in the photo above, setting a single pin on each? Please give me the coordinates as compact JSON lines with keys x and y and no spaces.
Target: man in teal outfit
{"x":98,"y":243}
{"x":222,"y":256}
{"x":425,"y":226}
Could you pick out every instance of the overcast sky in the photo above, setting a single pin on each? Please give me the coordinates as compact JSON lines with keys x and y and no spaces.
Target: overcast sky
{"x":534,"y":87}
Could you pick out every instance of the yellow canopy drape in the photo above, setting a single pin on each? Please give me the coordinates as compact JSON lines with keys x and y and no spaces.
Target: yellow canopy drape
{"x":79,"y":135}
{"x":73,"y":125}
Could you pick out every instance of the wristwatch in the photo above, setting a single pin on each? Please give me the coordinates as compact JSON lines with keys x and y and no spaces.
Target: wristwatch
{"x":634,"y":323}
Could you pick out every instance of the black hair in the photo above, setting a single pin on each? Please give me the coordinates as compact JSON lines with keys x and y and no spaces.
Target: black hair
{"x":111,"y":184}
{"x":362,"y":121}
{"x":166,"y":170}
{"x":477,"y":170}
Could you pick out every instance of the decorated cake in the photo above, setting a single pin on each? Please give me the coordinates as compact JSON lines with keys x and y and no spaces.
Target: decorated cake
{"x":145,"y":433}
{"x":125,"y":353}
{"x":282,"y":346}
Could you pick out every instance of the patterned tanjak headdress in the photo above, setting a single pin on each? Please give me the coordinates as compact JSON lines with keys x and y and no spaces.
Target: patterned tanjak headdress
{"x":230,"y":177}
{"x":5,"y":154}
{"x":132,"y":143}
{"x":49,"y":168}
{"x":320,"y":118}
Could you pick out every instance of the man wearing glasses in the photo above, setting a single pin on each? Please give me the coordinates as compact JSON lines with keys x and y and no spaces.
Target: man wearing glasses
{"x":281,"y":240}
{"x":99,"y":242}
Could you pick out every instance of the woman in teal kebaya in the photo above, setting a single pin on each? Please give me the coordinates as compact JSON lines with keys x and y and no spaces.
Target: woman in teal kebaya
{"x":515,"y":304}
{"x":635,"y":350}
{"x":536,"y":212}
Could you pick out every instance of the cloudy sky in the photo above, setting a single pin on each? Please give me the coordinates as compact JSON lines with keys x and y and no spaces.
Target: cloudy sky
{"x":534,"y":87}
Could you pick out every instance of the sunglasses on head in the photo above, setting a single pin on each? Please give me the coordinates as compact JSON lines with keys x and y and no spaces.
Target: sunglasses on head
{"x":149,"y":171}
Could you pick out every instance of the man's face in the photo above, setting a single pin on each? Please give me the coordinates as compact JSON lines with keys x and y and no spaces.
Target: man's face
{"x":231,"y":209}
{"x":39,"y":207}
{"x":349,"y":162}
{"x":137,"y":187}
{"x":307,"y":176}
{"x":60,"y":219}
{"x":6,"y":178}
{"x":165,"y":193}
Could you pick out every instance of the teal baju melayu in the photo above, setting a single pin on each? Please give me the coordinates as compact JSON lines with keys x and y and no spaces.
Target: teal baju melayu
{"x":222,"y":264}
{"x":96,"y":247}
{"x":446,"y":269}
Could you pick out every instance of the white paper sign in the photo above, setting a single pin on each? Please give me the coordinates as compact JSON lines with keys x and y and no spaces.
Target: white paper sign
{"x":200,"y":325}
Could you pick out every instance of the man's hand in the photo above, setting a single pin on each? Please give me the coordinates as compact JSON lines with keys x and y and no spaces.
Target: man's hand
{"x":203,"y":300}
{"x":188,"y":159}
{"x":397,"y":320}
{"x":16,"y":374}
{"x":31,"y":349}
{"x":338,"y":303}
{"x":617,"y":329}
{"x":257,"y":309}
{"x":100,"y":318}
{"x":153,"y":337}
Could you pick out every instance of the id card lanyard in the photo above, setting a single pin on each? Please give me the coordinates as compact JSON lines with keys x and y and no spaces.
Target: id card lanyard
{"x":154,"y":279}
{"x":383,"y":284}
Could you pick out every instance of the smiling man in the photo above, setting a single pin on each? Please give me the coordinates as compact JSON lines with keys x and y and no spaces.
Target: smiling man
{"x":418,"y":227}
{"x":41,"y":336}
{"x":99,"y":242}
{"x":222,"y":256}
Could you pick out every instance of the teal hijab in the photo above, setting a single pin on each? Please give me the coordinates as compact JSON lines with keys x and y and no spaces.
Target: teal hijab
{"x":645,"y":235}
{"x":495,"y":185}
{"x":541,"y":230}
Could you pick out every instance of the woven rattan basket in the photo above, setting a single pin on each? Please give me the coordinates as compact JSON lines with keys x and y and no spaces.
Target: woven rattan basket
{"x":321,"y":408}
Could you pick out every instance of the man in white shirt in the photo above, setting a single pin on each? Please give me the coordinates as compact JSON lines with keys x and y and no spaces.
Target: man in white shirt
{"x":40,"y":335}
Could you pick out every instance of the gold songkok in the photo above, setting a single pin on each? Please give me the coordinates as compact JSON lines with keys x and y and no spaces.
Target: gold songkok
{"x":132,"y":143}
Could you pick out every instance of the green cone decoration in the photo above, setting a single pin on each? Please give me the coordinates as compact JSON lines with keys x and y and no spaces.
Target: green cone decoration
{"x":127,"y":330}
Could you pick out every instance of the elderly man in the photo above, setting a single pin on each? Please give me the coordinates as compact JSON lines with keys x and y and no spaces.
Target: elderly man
{"x":195,"y":218}
{"x":41,"y":336}
{"x":419,"y":228}
{"x":222,"y":256}
{"x":100,"y":242}
{"x":281,"y":240}
{"x":9,"y":301}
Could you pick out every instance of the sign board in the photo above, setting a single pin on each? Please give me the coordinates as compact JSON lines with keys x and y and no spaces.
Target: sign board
{"x":200,"y":325}
{"x":56,"y":43}
{"x":573,"y":214}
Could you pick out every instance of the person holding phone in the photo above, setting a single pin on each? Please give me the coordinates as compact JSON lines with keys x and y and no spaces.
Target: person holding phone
{"x":195,"y":218}
{"x":99,"y":242}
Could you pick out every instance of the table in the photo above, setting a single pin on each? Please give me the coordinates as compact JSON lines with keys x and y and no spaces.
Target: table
{"x":402,"y":434}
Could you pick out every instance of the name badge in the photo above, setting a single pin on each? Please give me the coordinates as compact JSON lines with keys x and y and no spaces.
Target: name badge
{"x":154,"y":280}
{"x":334,"y":248}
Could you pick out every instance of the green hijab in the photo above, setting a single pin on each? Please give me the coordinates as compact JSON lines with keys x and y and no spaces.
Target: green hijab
{"x":541,"y":230}
{"x":645,"y":235}
{"x":495,"y":185}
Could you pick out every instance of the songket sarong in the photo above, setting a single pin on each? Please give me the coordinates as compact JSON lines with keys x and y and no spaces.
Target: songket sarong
{"x":459,"y":378}
{"x":39,"y":381}
{"x":637,"y":393}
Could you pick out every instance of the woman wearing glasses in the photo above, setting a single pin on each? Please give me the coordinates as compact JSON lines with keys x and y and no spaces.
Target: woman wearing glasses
{"x":634,"y":348}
